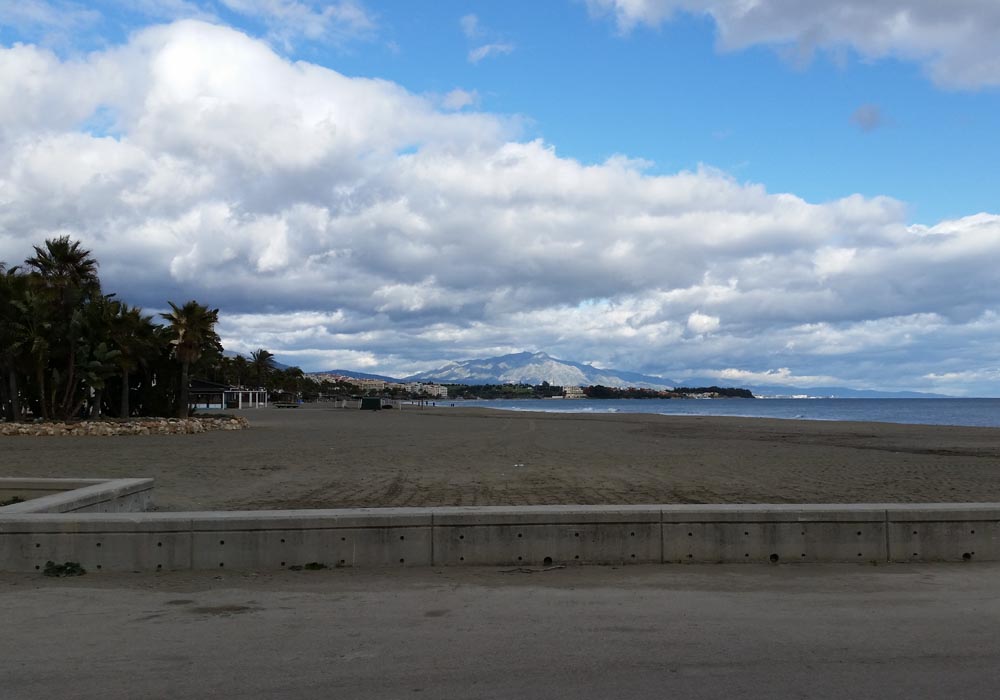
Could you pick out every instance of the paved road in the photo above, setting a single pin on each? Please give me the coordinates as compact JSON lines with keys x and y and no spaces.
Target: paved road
{"x":796,"y":631}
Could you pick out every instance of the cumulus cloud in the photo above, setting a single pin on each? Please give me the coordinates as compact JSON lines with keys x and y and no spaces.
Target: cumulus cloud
{"x":347,"y":221}
{"x":954,"y":40}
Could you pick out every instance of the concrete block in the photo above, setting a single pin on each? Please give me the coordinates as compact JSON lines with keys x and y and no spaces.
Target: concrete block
{"x":546,"y":535}
{"x":393,"y":537}
{"x":774,"y":533}
{"x":944,"y":532}
{"x":98,"y":544}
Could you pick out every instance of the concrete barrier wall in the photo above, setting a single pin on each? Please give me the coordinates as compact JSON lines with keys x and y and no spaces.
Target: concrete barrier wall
{"x":77,"y":495}
{"x":502,"y":536}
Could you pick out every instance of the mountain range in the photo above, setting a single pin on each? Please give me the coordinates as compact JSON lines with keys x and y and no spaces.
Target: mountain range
{"x":537,"y":367}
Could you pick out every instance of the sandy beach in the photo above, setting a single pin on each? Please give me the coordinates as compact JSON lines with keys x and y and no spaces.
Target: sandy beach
{"x":322,"y":457}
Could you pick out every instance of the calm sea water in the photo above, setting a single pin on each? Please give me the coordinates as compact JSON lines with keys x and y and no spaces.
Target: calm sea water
{"x":974,"y":412}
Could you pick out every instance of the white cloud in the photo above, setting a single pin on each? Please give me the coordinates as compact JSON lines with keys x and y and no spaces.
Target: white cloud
{"x":480,"y":52}
{"x":953,"y":40}
{"x":290,"y":19}
{"x":341,"y":220}
{"x":701,"y":324}
{"x":460,"y":99}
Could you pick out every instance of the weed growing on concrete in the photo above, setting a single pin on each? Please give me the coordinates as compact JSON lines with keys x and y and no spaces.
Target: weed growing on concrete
{"x":311,"y":566}
{"x":70,"y":568}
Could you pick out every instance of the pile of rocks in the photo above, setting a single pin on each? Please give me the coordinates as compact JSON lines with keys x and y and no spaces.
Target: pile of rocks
{"x":137,"y":426}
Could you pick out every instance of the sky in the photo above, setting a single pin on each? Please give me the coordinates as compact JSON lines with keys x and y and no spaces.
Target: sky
{"x":798,"y":192}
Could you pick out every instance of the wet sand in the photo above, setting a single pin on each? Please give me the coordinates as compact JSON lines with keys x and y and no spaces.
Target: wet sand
{"x":322,"y":457}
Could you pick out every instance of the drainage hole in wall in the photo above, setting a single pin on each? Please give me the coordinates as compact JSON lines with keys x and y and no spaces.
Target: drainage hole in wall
{"x":461,"y":537}
{"x":282,"y":540}
{"x":633,"y":556}
{"x":577,"y":556}
{"x":159,"y":566}
{"x":547,"y":561}
{"x":222,"y":541}
{"x":972,"y":532}
{"x":282,"y":563}
{"x":774,"y":558}
{"x":914,"y":532}
{"x":690,"y":534}
{"x":915,"y":554}
{"x":98,"y":566}
{"x":461,"y":558}
{"x":967,"y":556}
{"x":803,"y":554}
{"x":519,"y":558}
{"x":803,"y":533}
{"x":159,"y":544}
{"x":98,"y":544}
{"x":401,"y":561}
{"x":631,"y":534}
{"x":690,"y":556}
{"x":343,"y":539}
{"x":37,"y":568}
{"x":520,"y":535}
{"x":859,"y":533}
{"x":221,"y":564}
{"x":576,"y":534}
{"x":859,"y":554}
{"x":402,"y":537}
{"x":746,"y":555}
{"x":343,"y":561}
{"x":746,"y":533}
{"x":37,"y":545}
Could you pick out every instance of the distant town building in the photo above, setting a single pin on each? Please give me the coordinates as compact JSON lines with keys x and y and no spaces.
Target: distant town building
{"x":573,"y":392}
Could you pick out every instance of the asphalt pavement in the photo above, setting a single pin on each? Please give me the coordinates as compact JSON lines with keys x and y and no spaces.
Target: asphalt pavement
{"x":787,"y":631}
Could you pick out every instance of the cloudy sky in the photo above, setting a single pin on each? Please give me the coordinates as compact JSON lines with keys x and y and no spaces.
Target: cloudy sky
{"x":771,"y":190}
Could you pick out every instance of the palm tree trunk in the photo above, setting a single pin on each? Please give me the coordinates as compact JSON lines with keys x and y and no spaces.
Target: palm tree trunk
{"x":124,"y":410}
{"x":98,"y":400}
{"x":42,"y":400}
{"x":15,"y":400}
{"x":182,"y":400}
{"x":5,"y":408}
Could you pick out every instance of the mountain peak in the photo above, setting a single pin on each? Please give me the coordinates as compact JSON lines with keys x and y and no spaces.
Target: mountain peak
{"x":535,"y":368}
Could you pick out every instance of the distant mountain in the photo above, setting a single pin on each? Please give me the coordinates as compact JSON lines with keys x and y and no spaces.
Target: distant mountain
{"x":357,"y":375}
{"x":838,"y":392}
{"x":535,"y":368}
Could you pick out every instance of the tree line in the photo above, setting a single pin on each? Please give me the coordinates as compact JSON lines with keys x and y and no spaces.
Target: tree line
{"x":70,"y":350}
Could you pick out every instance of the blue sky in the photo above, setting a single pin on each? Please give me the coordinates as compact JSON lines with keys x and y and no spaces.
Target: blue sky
{"x":624,"y":183}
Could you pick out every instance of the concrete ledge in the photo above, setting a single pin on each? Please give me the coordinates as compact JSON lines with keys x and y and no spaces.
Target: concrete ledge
{"x":54,"y":527}
{"x":79,"y":495}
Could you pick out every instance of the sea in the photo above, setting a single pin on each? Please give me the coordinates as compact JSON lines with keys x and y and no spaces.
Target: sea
{"x":967,"y":412}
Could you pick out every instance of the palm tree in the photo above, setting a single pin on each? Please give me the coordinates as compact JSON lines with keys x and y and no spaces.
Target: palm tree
{"x":262,"y":362}
{"x":240,"y":367}
{"x":65,"y":275}
{"x":12,"y":288}
{"x":192,"y":331}
{"x":133,"y":336}
{"x":65,"y":267}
